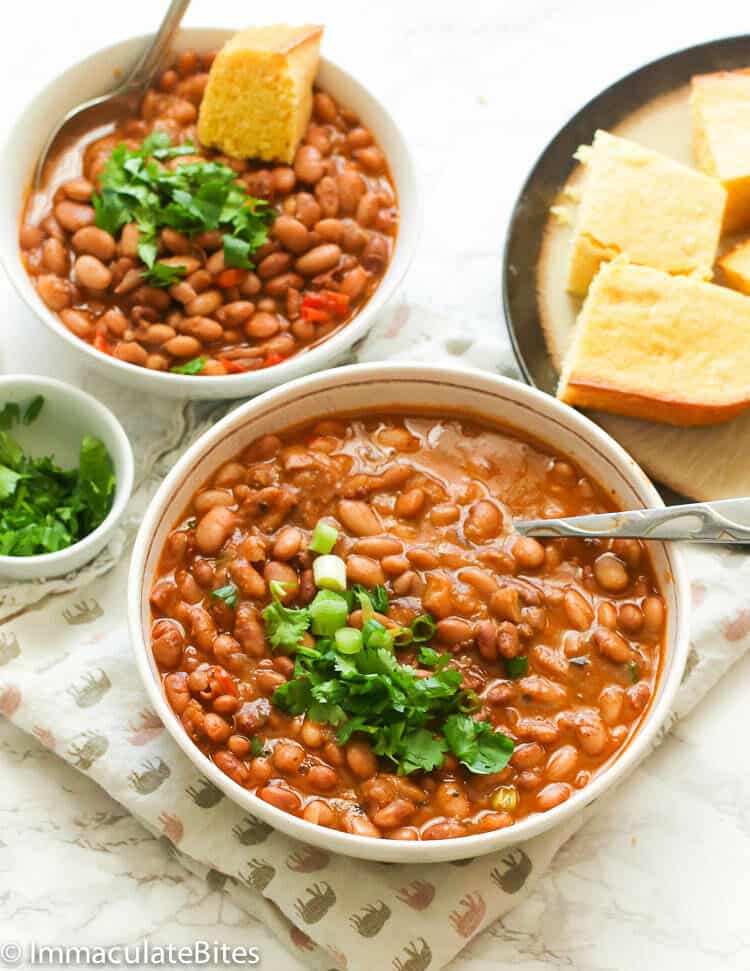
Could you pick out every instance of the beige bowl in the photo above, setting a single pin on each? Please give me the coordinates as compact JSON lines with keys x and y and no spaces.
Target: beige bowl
{"x":443,"y":391}
{"x":96,"y":75}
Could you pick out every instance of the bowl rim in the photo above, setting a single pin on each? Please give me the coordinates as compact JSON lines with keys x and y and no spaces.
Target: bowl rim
{"x":232,"y":385}
{"x":371,"y":847}
{"x":123,"y":483}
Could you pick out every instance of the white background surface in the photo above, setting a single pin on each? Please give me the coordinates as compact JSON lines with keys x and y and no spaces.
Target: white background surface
{"x":661,"y":878}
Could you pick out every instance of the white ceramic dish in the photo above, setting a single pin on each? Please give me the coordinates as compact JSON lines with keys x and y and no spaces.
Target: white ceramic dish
{"x":66,"y":416}
{"x":441,"y":390}
{"x":96,"y":75}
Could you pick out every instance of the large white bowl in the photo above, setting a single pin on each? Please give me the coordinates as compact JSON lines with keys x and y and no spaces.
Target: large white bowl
{"x":67,"y":415}
{"x":96,"y":75}
{"x":441,"y":391}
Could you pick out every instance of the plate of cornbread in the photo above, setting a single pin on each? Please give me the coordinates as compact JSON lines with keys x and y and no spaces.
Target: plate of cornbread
{"x":627,"y":267}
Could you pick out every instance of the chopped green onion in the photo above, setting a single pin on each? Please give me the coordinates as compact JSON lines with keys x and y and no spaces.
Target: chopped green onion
{"x":505,"y":799}
{"x":380,"y":638}
{"x":422,"y":628}
{"x":329,"y":573}
{"x":516,"y":667}
{"x":634,"y":672}
{"x":323,"y":538}
{"x":328,"y":613}
{"x":369,"y":628}
{"x":469,"y":701}
{"x":348,"y":640}
{"x":365,"y":605}
{"x":402,"y":637}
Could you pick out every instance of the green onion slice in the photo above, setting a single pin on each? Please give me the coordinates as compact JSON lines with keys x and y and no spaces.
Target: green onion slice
{"x":329,"y":573}
{"x":328,"y":613}
{"x":323,"y":537}
{"x":422,"y":629}
{"x":348,"y":640}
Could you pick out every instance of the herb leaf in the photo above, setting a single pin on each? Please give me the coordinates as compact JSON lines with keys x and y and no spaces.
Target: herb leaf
{"x":476,"y":745}
{"x":44,"y":508}
{"x":228,"y":594}
{"x":285,"y":625}
{"x":192,"y":197}
{"x":194,"y":366}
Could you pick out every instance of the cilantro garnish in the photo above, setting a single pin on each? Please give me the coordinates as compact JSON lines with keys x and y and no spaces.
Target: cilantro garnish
{"x":284,"y":625}
{"x":406,"y":717}
{"x":44,"y":508}
{"x":194,"y":366}
{"x":191,"y":198}
{"x":228,"y":594}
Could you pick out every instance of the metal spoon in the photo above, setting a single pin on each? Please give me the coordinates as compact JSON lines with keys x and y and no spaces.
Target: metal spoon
{"x":99,"y":114}
{"x":724,"y":521}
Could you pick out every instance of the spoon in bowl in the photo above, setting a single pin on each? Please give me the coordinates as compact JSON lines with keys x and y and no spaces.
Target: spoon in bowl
{"x":724,"y":521}
{"x":99,"y":115}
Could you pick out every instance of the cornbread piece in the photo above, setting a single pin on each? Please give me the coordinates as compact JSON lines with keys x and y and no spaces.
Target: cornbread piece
{"x":660,"y":347}
{"x":258,"y":99}
{"x":644,"y":205}
{"x":721,"y":137}
{"x":736,"y":267}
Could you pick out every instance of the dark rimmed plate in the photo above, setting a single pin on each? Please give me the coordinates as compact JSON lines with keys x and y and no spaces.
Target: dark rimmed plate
{"x":531,"y":213}
{"x":649,"y":105}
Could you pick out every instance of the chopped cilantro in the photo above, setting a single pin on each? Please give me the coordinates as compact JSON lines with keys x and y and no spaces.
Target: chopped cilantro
{"x":195,"y":366}
{"x":516,"y":667}
{"x":256,"y":746}
{"x":634,"y":671}
{"x":228,"y":594}
{"x":33,"y":409}
{"x":403,"y":714}
{"x":476,"y":745}
{"x":430,"y":657}
{"x":192,"y":198}
{"x":285,"y":625}
{"x":44,"y":508}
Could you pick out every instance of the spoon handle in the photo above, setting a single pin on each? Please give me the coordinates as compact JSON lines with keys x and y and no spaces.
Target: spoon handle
{"x":724,"y":521}
{"x":146,"y":66}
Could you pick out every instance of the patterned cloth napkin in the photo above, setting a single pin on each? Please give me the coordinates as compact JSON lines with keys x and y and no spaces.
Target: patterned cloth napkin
{"x":67,"y":676}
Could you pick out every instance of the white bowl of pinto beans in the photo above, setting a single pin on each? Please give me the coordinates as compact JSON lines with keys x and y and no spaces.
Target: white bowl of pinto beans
{"x":337,"y":623}
{"x":158,"y":294}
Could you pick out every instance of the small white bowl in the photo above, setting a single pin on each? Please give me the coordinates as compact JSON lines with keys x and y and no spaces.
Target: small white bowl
{"x":441,"y":391}
{"x":67,"y":415}
{"x":96,"y":75}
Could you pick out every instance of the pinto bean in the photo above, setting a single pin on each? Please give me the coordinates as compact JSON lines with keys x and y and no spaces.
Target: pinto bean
{"x":95,"y":242}
{"x":131,"y":352}
{"x":612,"y":645}
{"x":409,"y":504}
{"x":320,"y":259}
{"x":528,"y":552}
{"x":92,"y":273}
{"x":361,"y":760}
{"x":543,"y":690}
{"x":578,"y":610}
{"x":167,"y":643}
{"x":78,"y":322}
{"x":177,"y":691}
{"x":611,"y":573}
{"x":552,"y":795}
{"x":362,"y":569}
{"x":308,"y":165}
{"x":55,"y":256}
{"x":351,"y":187}
{"x":291,"y":233}
{"x":611,"y":700}
{"x":74,"y":215}
{"x":359,"y":518}
{"x":395,"y":813}
{"x":183,"y":346}
{"x":562,"y":763}
{"x":214,"y":529}
{"x":205,"y":304}
{"x":454,"y":630}
{"x":505,"y":604}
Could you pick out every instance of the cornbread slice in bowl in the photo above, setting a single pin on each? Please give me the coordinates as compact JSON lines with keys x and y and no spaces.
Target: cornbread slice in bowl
{"x":659,"y":347}
{"x":258,"y":98}
{"x":642,"y":204}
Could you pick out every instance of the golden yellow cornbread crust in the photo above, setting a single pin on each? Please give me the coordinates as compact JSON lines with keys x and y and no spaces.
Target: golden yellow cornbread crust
{"x":735,"y":267}
{"x":258,"y":99}
{"x":720,"y":106}
{"x":643,"y":205}
{"x":659,"y":347}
